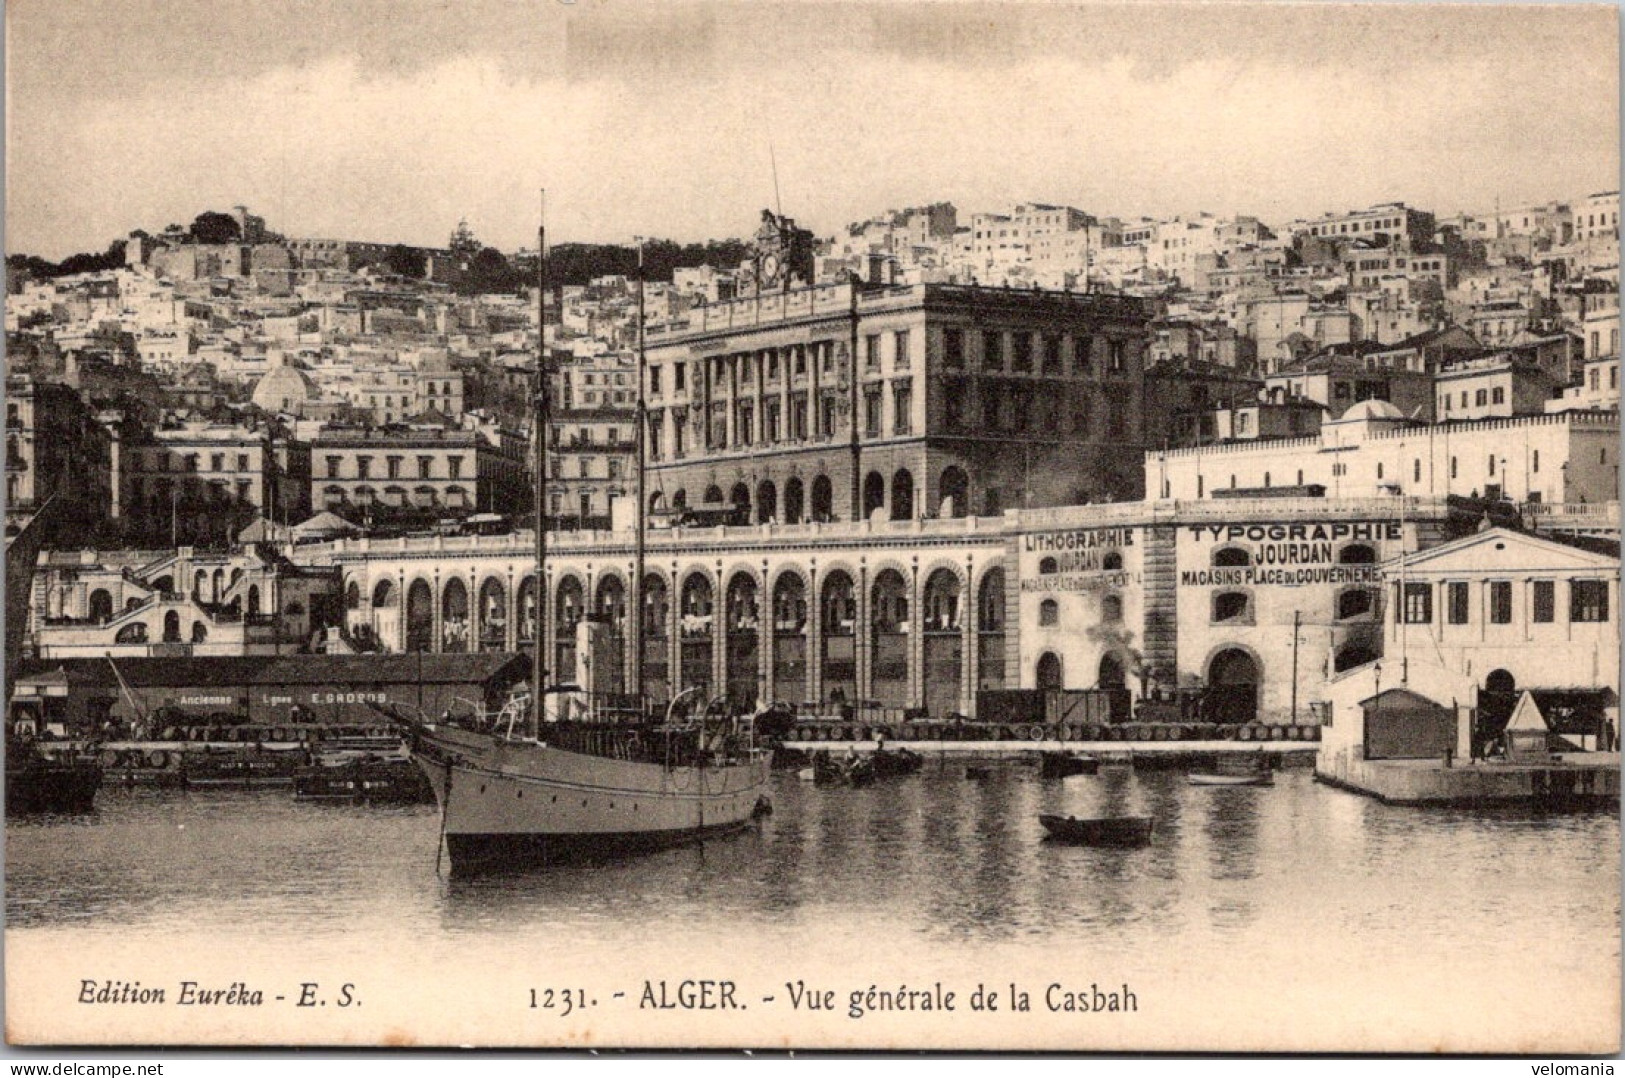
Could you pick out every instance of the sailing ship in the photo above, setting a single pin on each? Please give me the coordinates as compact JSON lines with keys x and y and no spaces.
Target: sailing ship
{"x":552,"y":778}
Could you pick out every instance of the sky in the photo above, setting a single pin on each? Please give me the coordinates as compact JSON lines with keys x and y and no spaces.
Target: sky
{"x":390,"y":120}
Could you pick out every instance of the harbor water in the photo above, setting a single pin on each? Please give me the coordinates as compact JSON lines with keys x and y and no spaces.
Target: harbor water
{"x":1290,"y":917}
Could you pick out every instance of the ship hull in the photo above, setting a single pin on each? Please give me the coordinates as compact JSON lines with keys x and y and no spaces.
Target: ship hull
{"x":509,"y":805}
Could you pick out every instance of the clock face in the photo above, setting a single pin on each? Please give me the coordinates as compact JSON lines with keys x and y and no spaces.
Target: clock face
{"x":770,"y":267}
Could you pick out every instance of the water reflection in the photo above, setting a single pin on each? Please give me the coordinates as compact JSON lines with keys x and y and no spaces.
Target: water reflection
{"x":937,"y":859}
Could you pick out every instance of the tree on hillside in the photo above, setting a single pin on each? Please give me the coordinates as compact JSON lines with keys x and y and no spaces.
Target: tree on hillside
{"x":211,"y":227}
{"x":489,"y":271}
{"x":405,"y":261}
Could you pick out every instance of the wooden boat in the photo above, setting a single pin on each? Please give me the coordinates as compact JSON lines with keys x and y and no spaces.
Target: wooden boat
{"x":1100,"y":831}
{"x":584,"y":790}
{"x":555,"y":779}
{"x":364,"y":778}
{"x":1060,"y":765}
{"x":1260,"y":778}
{"x":889,"y":763}
{"x":241,"y":767}
{"x":37,"y":782}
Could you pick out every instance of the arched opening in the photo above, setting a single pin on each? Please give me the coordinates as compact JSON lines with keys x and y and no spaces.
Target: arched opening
{"x":767,"y":502}
{"x":1048,"y":674}
{"x":1233,"y":680}
{"x":133,"y":633}
{"x":1232,"y":556}
{"x":253,"y":607}
{"x":657,"y":502}
{"x":742,"y":650}
{"x":695,"y":610}
{"x":1351,"y":655}
{"x":954,"y":490}
{"x":739,"y":499}
{"x":823,"y":499}
{"x":838,"y":615}
{"x":1112,"y":562}
{"x":1111,"y":674}
{"x":493,"y":610}
{"x":1356,"y":603}
{"x":609,"y":636}
{"x":656,"y":615}
{"x":172,"y":627}
{"x":1049,"y":613}
{"x":874,"y":493}
{"x":889,"y":626}
{"x":352,"y":596}
{"x":200,"y":632}
{"x":1357,"y":554}
{"x":679,"y":500}
{"x":101,"y":606}
{"x":713,"y":495}
{"x":568,"y":607}
{"x":789,"y":638}
{"x":217,"y":591}
{"x":383,"y":594}
{"x":419,"y":617}
{"x":794,"y":497}
{"x":1111,"y":608}
{"x":990,"y":630}
{"x":944,"y":642}
{"x":1048,"y":567}
{"x":902,"y":495}
{"x":1500,"y":681}
{"x":526,"y":629}
{"x":200,"y":580}
{"x":454,"y":634}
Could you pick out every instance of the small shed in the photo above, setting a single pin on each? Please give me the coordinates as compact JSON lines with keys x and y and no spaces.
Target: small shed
{"x":1403,"y":725}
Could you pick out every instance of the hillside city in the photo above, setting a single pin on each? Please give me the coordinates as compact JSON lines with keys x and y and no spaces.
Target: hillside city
{"x":225,"y":388}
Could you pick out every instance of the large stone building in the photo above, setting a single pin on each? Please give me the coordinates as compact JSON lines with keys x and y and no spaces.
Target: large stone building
{"x":200,"y":483}
{"x":54,"y":450}
{"x":1150,"y":597}
{"x":843,"y":402}
{"x":380,"y":473}
{"x":1374,"y":449}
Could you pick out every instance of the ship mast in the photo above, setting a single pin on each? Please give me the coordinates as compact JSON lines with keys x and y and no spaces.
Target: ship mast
{"x":641,"y":494}
{"x":539,"y":425}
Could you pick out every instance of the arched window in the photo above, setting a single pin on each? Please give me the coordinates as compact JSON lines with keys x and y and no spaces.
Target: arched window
{"x":1232,"y":556}
{"x":1048,"y":567}
{"x":1232,"y":606}
{"x":874,"y":493}
{"x":200,"y":632}
{"x":1111,"y":608}
{"x":1356,"y":603}
{"x":823,"y":499}
{"x":1357,"y":554}
{"x":902,"y":495}
{"x":1112,"y":562}
{"x":1049,"y":612}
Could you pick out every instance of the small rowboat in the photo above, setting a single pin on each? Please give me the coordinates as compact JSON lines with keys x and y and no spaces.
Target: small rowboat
{"x":1060,"y":765}
{"x":1104,"y":831}
{"x":1262,"y":778}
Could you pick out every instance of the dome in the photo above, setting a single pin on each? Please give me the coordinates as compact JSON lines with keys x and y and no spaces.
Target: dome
{"x":284,"y":389}
{"x":1373,"y":409}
